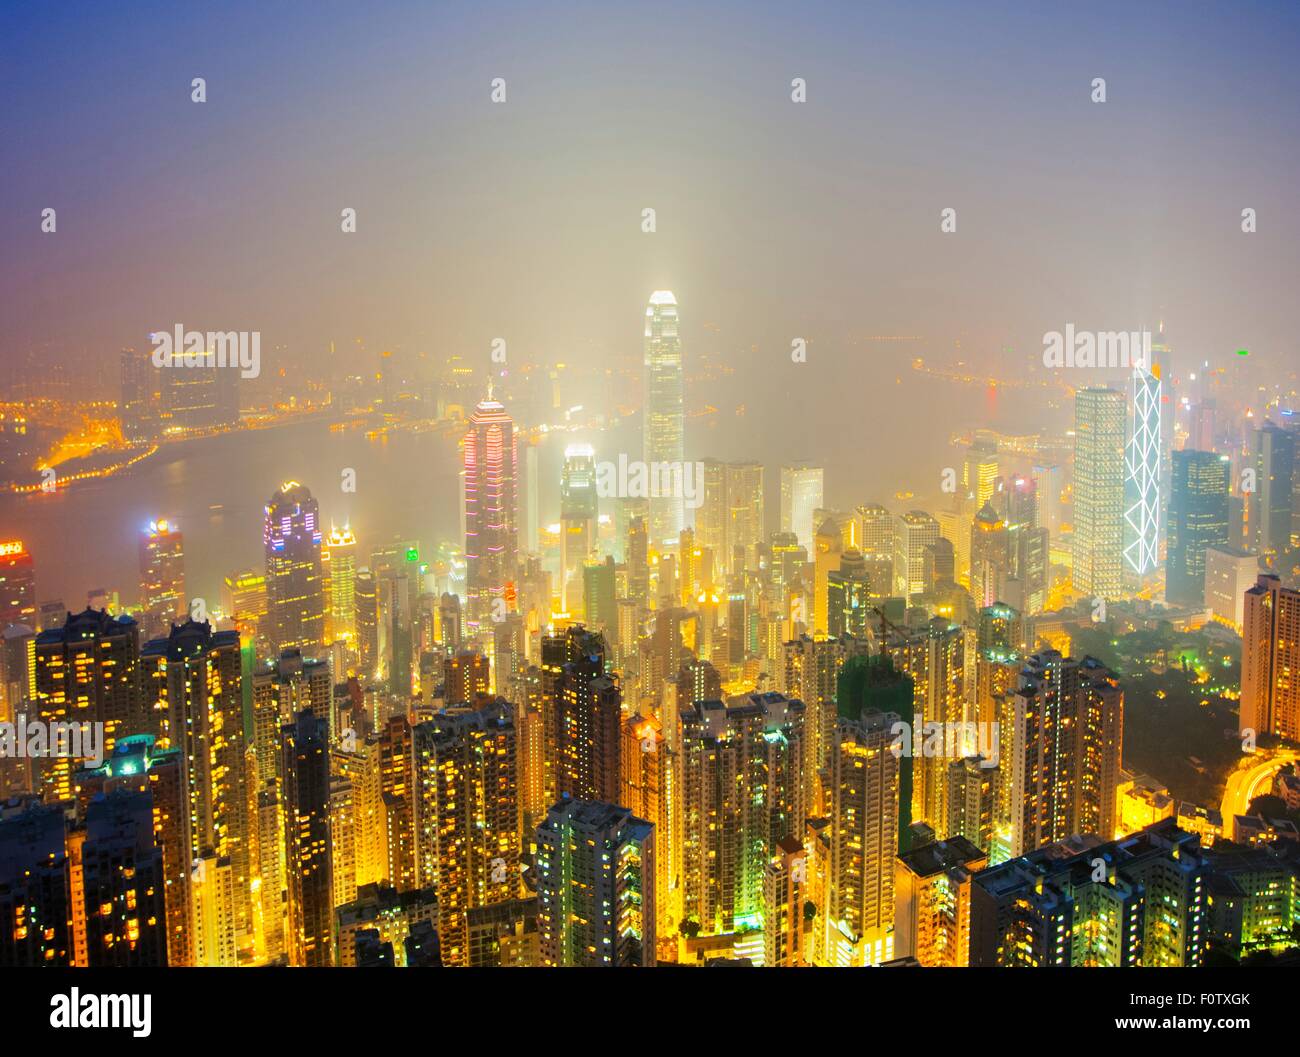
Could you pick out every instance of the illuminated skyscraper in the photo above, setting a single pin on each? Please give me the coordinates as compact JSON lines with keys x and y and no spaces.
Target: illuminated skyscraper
{"x":649,"y":791}
{"x":932,"y":897}
{"x":730,"y":519}
{"x":595,"y":887}
{"x":1273,"y":462}
{"x":88,"y":671}
{"x":1198,"y":520}
{"x":295,"y":584}
{"x":801,"y":494}
{"x":578,"y":510}
{"x":1099,"y":416}
{"x":664,"y":423}
{"x":305,"y":767}
{"x":162,"y":578}
{"x":856,"y":921}
{"x":491,"y":511}
{"x":467,"y":810}
{"x":980,"y":471}
{"x":913,"y":532}
{"x":343,"y":574}
{"x":17,"y":585}
{"x":990,"y":557}
{"x":1270,"y":659}
{"x":743,"y":789}
{"x":1066,"y":742}
{"x":1142,"y":474}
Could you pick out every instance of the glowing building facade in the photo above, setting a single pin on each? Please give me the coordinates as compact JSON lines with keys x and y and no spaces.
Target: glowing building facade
{"x":664,"y":423}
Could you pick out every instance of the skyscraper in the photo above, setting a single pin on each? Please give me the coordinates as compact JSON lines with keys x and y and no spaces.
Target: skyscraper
{"x":491,"y":510}
{"x":305,"y":768}
{"x":162,"y":578}
{"x":913,"y":532}
{"x":342,"y":585}
{"x":1270,"y":659}
{"x":801,"y":494}
{"x":17,"y":585}
{"x":578,"y":510}
{"x":295,"y":581}
{"x":1198,"y":520}
{"x":1099,"y":416}
{"x":664,"y":424}
{"x":595,"y":886}
{"x":730,"y":520}
{"x":1142,"y":473}
{"x":1273,"y":461}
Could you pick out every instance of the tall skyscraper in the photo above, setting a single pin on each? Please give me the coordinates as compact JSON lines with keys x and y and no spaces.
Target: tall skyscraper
{"x":342,"y":584}
{"x":595,"y":886}
{"x":1270,"y":659}
{"x":664,"y":423}
{"x":17,"y":585}
{"x":1273,"y":461}
{"x":467,"y":812}
{"x":914,"y":531}
{"x":743,"y":789}
{"x":1142,"y":473}
{"x":1066,"y":750}
{"x":162,"y":578}
{"x":578,"y":510}
{"x":295,"y":581}
{"x":1099,"y":416}
{"x":730,"y":520}
{"x":305,"y":766}
{"x":491,"y":510}
{"x":88,"y":671}
{"x":1198,"y":520}
{"x":801,"y":494}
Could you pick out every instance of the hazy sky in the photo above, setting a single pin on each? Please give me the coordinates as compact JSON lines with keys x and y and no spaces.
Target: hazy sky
{"x":775,"y":220}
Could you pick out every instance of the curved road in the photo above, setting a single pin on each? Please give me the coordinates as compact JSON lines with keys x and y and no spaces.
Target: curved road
{"x":1250,"y":781}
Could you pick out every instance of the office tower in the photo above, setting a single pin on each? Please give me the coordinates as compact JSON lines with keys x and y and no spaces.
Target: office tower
{"x":939,"y":567}
{"x":1198,"y":520}
{"x":848,"y":597}
{"x":491,"y":510}
{"x":162,"y":578}
{"x":1142,"y":473}
{"x":932,"y":902}
{"x":649,"y":790}
{"x":243,"y":602}
{"x":366,"y":600}
{"x":1270,"y":657}
{"x":827,"y":549}
{"x":875,"y":537}
{"x":1273,"y":461}
{"x":192,"y":688}
{"x":855,"y":923}
{"x":588,"y":716}
{"x":122,"y":883}
{"x":980,"y":471}
{"x":990,"y":557}
{"x":664,"y":423}
{"x":595,"y":893}
{"x":1139,"y":901}
{"x":465,"y":676}
{"x":467,"y":812}
{"x":1016,"y":501}
{"x":578,"y":510}
{"x":1099,"y":416}
{"x":1229,"y":573}
{"x":600,"y":597}
{"x":342,"y":584}
{"x":87,"y":671}
{"x":295,"y":585}
{"x":305,"y":770}
{"x":913,"y":532}
{"x":730,"y":518}
{"x":135,"y":411}
{"x":742,"y":786}
{"x":35,"y":901}
{"x":785,"y":888}
{"x":17,"y":585}
{"x":197,"y":395}
{"x":801,"y":494}
{"x":1066,"y":741}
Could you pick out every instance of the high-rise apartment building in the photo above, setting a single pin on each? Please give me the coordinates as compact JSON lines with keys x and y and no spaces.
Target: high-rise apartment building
{"x":162,"y":578}
{"x":1270,"y":659}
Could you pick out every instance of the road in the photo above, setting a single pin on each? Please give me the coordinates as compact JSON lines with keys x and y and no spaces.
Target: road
{"x":1252,"y":778}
